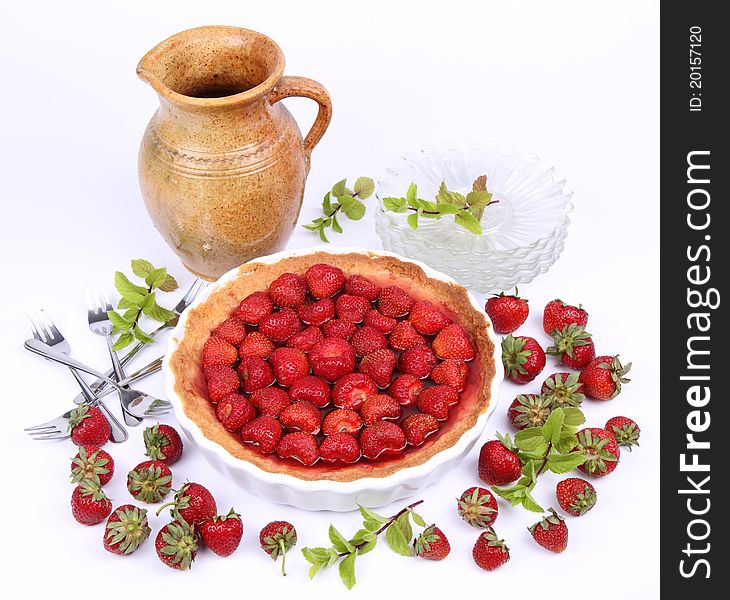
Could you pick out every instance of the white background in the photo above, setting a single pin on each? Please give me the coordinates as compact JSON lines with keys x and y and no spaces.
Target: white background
{"x":575,"y":83}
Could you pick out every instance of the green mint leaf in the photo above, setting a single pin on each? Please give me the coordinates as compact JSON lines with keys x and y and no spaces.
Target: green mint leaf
{"x":340,"y":188}
{"x":362,"y":535}
{"x":397,"y":205}
{"x":529,"y":439}
{"x":347,"y":571}
{"x":372,"y":515}
{"x":567,"y":440}
{"x":477,"y":202}
{"x":364,"y":187}
{"x":368,"y":546}
{"x":553,"y":425}
{"x":352,"y":207}
{"x":169,"y":285}
{"x":335,"y":225}
{"x":142,"y":336}
{"x":529,"y":503}
{"x":562,"y":463}
{"x":397,"y":541}
{"x":131,"y":314}
{"x":322,"y":236}
{"x":124,"y":304}
{"x":444,"y":196}
{"x":157,"y":312}
{"x":447,"y":209}
{"x":413,"y":220}
{"x":141,"y":267}
{"x":339,"y":543}
{"x":313,"y":226}
{"x":315,"y":555}
{"x":466,"y":220}
{"x":132,"y":293}
{"x":156,"y":278}
{"x":404,"y":523}
{"x":118,"y":320}
{"x":418,"y":519}
{"x":327,"y":204}
{"x":422,"y":204}
{"x":573,"y":416}
{"x":123,"y":340}
{"x":513,"y":494}
{"x":411,"y":195}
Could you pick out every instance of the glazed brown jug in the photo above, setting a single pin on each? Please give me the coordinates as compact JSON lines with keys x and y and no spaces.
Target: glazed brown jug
{"x":222,"y":164}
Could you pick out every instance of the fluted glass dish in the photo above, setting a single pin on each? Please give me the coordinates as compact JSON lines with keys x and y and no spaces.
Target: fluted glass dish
{"x":523,"y":234}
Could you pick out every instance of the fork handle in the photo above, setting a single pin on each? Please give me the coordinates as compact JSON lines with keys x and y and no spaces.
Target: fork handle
{"x":118,"y":433}
{"x":129,"y":419}
{"x":46,"y":351}
{"x":148,"y":369}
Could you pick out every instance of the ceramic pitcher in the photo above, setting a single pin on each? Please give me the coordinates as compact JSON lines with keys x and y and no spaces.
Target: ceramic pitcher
{"x":222,"y":164}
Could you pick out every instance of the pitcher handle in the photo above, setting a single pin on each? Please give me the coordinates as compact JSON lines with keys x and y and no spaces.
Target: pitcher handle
{"x":289,"y":86}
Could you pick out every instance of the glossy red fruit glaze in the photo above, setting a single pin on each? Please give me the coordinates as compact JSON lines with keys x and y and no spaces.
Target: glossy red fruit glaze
{"x":317,"y":312}
{"x":351,"y":308}
{"x":256,"y":344}
{"x":557,"y":314}
{"x":342,"y":420}
{"x":324,"y":281}
{"x":289,"y":364}
{"x":217,"y":351}
{"x":352,"y":390}
{"x":233,"y":330}
{"x":264,"y":432}
{"x":436,"y":400}
{"x":418,"y":426}
{"x":357,"y":285}
{"x":311,"y":388}
{"x":379,"y":408}
{"x":234,"y":411}
{"x":281,"y":325}
{"x":382,"y":323}
{"x":255,"y":373}
{"x":305,"y":339}
{"x":379,"y":365}
{"x":332,"y":358}
{"x":405,"y":389}
{"x":368,"y":339}
{"x":270,"y":401}
{"x":382,"y":439}
{"x":221,"y":381}
{"x":404,"y":336}
{"x":418,"y":361}
{"x":340,"y":447}
{"x":300,"y":446}
{"x":498,"y":465}
{"x":301,"y":416}
{"x":507,"y":312}
{"x":339,"y":329}
{"x":453,"y":342}
{"x":451,"y":372}
{"x":254,"y":307}
{"x":427,"y":318}
{"x":394,"y":301}
{"x":288,"y":290}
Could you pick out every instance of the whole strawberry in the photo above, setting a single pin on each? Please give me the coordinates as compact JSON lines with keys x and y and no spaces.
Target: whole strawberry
{"x":523,"y":358}
{"x":563,"y":389}
{"x":88,"y":426}
{"x":194,"y":503}
{"x":126,"y":529}
{"x":529,"y":410}
{"x":507,"y":312}
{"x":276,"y":539}
{"x":603,"y":376}
{"x":573,"y":346}
{"x":150,"y":481}
{"x":489,"y":551}
{"x":551,"y":532}
{"x":432,"y":544}
{"x":576,"y":496}
{"x":498,"y":465}
{"x":478,"y":507}
{"x":177,"y":544}
{"x":92,"y":463}
{"x":222,"y":534}
{"x":624,"y":430}
{"x":558,"y":314}
{"x":163,"y":442}
{"x":600,"y":449}
{"x":89,"y":503}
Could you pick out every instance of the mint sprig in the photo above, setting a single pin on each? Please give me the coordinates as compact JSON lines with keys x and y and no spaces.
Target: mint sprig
{"x":398,"y":534}
{"x":342,"y":200}
{"x":547,"y":448}
{"x":138,"y":300}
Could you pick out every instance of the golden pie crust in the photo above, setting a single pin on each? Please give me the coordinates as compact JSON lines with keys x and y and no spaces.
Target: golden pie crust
{"x":191,"y":389}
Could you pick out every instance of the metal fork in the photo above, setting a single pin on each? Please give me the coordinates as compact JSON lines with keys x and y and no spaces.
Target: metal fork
{"x":98,"y":305}
{"x":45,"y":331}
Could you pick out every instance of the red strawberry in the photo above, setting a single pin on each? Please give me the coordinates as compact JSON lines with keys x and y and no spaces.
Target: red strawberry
{"x":221,"y":381}
{"x":563,"y":389}
{"x":324,"y":280}
{"x":256,"y":344}
{"x":418,"y":426}
{"x":351,"y":308}
{"x":317,"y":312}
{"x":88,"y":426}
{"x":383,"y":324}
{"x":624,"y":430}
{"x":254,"y":307}
{"x":270,"y":401}
{"x":551,"y":532}
{"x":276,"y":539}
{"x":523,"y":358}
{"x":301,"y":416}
{"x":232,"y":330}
{"x":289,"y":364}
{"x":352,"y":390}
{"x":332,"y":358}
{"x":451,"y":372}
{"x":379,"y":408}
{"x":300,"y":446}
{"x":600,"y":449}
{"x":418,"y":361}
{"x":163,"y":442}
{"x":427,"y":319}
{"x":305,"y":339}
{"x":529,"y":410}
{"x":340,"y":447}
{"x":177,"y":544}
{"x":453,"y":342}
{"x":357,"y":285}
{"x":379,"y":366}
{"x":435,"y":401}
{"x":92,"y":463}
{"x":234,"y":411}
{"x":218,"y":351}
{"x":126,"y":529}
{"x":603,"y":376}
{"x":194,"y":503}
{"x":394,"y":301}
{"x":404,"y":336}
{"x":489,"y":552}
{"x":558,"y":314}
{"x":264,"y":432}
{"x":312,"y":388}
{"x":342,"y":420}
{"x":337,"y":328}
{"x":255,"y":373}
{"x":222,"y":534}
{"x":498,"y":465}
{"x":288,"y":290}
{"x":281,"y":325}
{"x":405,"y":389}
{"x":432,"y":544}
{"x":89,"y":503}
{"x":507,"y":311}
{"x":368,"y":339}
{"x":573,"y":346}
{"x":150,"y":481}
{"x":382,"y":439}
{"x":575,"y":495}
{"x":478,"y":507}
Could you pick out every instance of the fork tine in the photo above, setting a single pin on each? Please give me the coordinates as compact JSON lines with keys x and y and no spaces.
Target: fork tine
{"x":45,"y":431}
{"x":49,"y":325}
{"x":36,"y":333}
{"x":56,"y":436}
{"x":40,"y":427}
{"x":107,"y":303}
{"x":92,"y":304}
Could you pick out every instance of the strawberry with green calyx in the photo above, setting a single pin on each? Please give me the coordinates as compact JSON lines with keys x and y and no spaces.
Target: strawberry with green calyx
{"x":193,"y":503}
{"x":478,"y":507}
{"x":222,"y":534}
{"x":551,"y":532}
{"x":177,"y":544}
{"x":576,"y":496}
{"x":499,"y":463}
{"x":624,"y":430}
{"x":88,"y":426}
{"x":558,"y":314}
{"x":489,"y":551}
{"x":126,"y":529}
{"x":163,"y":442}
{"x":563,"y":389}
{"x":529,"y":410}
{"x":432,"y":544}
{"x":600,"y":450}
{"x":573,"y":346}
{"x":89,"y":503}
{"x":507,"y":311}
{"x":603,"y":377}
{"x":523,"y":358}
{"x":92,"y":463}
{"x":276,"y":539}
{"x":150,"y":481}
